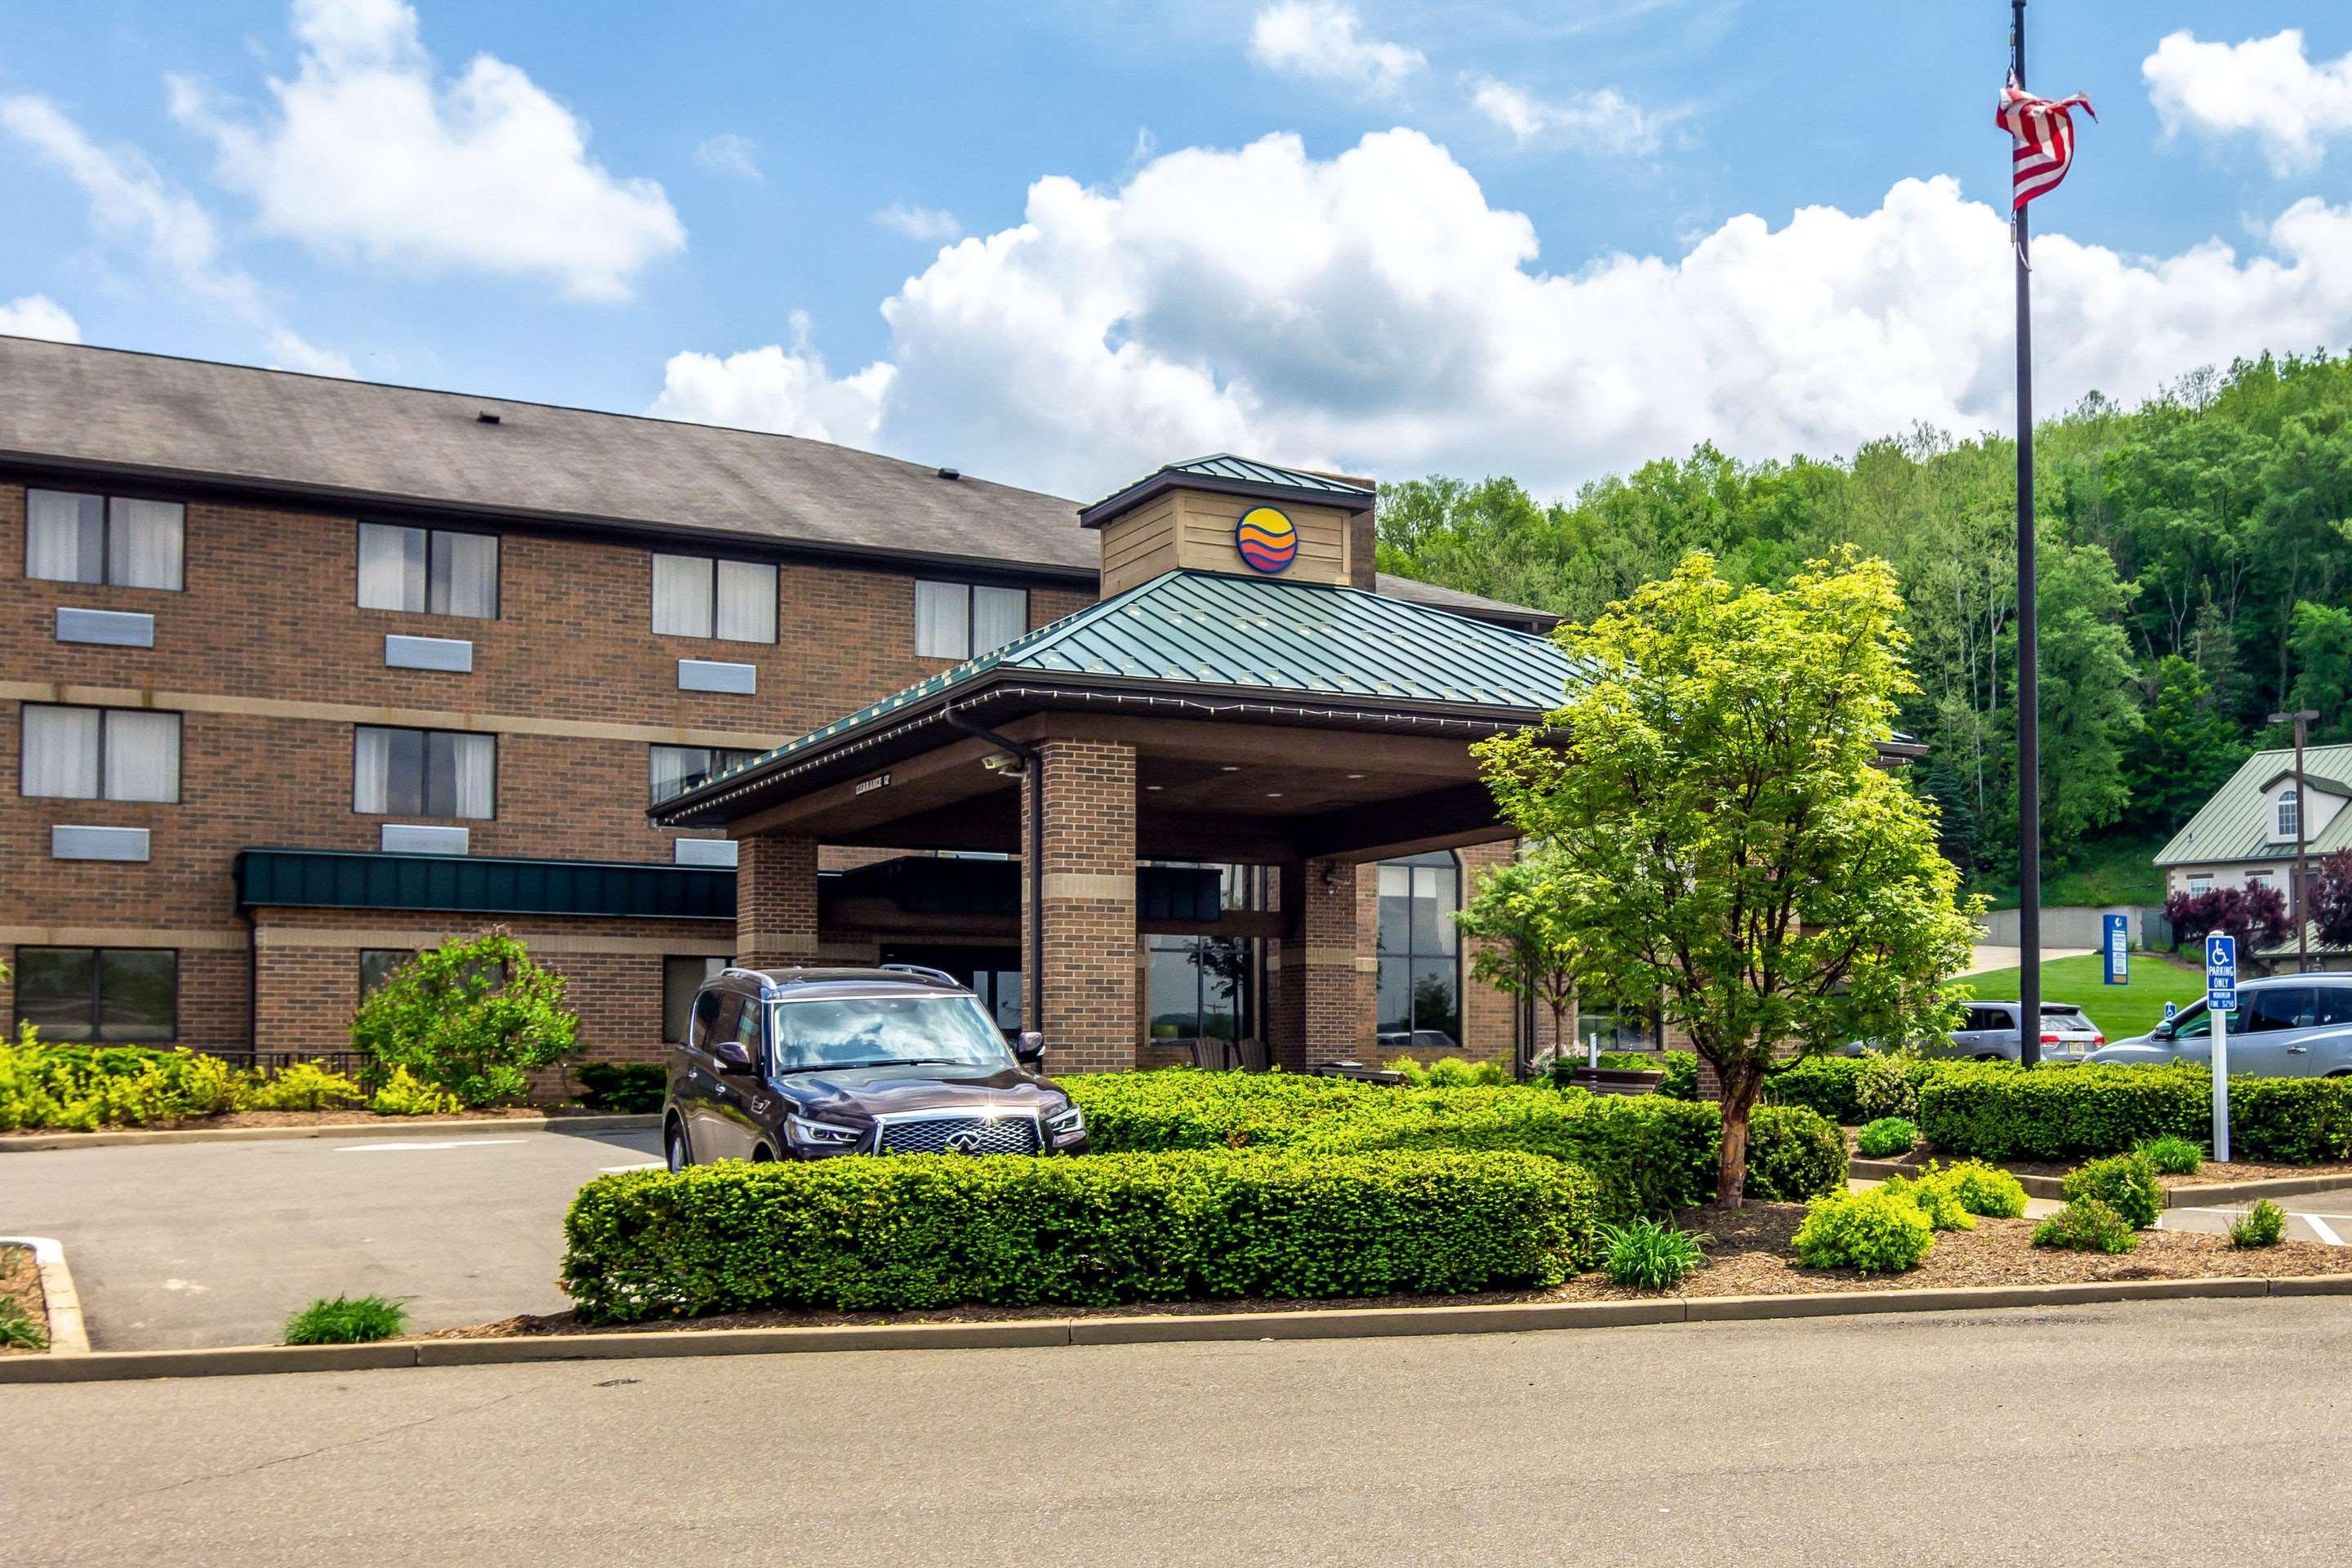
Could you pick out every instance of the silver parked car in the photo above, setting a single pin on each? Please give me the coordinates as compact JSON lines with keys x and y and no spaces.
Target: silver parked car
{"x":1989,"y":1033}
{"x":2287,"y":1026}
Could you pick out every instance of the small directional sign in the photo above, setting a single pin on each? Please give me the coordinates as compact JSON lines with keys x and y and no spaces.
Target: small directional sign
{"x":2222,"y":974}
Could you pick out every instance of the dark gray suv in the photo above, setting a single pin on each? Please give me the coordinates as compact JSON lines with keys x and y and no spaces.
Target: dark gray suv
{"x":803,"y":1064}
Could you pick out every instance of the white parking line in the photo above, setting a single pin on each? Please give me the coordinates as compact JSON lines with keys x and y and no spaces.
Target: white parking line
{"x":2324,"y":1232}
{"x":407,"y":1145}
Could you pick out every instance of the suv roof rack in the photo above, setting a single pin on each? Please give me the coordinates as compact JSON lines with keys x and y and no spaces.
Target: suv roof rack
{"x":939,"y":976}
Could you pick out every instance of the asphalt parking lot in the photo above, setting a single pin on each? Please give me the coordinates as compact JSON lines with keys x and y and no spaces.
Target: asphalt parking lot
{"x":187,"y":1244}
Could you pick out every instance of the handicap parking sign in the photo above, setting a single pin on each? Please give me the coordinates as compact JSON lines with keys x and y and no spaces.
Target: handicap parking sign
{"x":2222,"y":974}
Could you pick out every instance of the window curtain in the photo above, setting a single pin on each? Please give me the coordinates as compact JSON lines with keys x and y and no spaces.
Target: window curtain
{"x":942,"y":620}
{"x":475,"y":769}
{"x":465,"y":575}
{"x":143,"y":755}
{"x":682,"y":595}
{"x":60,"y":756}
{"x":64,"y":538}
{"x":143,"y":542}
{"x":674,"y":766}
{"x":371,"y":770}
{"x":998,"y":615}
{"x":747,"y":601}
{"x":392,"y":567}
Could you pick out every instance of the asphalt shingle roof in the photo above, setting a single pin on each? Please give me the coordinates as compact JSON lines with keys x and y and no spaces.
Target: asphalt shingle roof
{"x":2231,"y":826}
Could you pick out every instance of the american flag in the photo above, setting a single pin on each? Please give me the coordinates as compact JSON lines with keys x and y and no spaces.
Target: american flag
{"x":2045,"y":140}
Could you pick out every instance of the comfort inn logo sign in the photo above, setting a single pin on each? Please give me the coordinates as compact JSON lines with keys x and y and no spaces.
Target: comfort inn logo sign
{"x":1266,"y":538}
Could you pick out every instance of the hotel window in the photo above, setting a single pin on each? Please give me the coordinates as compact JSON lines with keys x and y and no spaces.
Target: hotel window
{"x":678,"y":769}
{"x":428,"y":570}
{"x":121,"y":539}
{"x":2199,"y":885}
{"x":682,"y":978}
{"x":423,"y":773}
{"x":121,"y":995}
{"x":2290,"y":812}
{"x":377,"y":964}
{"x":1204,"y":987}
{"x":1420,"y":959}
{"x":99,"y":754}
{"x":964,"y":620}
{"x":696,"y":596}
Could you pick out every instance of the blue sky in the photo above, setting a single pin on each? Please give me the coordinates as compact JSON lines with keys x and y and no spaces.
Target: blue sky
{"x":1058,"y":243}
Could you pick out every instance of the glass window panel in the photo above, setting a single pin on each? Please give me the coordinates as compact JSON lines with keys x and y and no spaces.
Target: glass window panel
{"x":458,"y":772}
{"x":392,"y":567}
{"x":388,"y":771}
{"x":676,"y":769}
{"x":143,"y":542}
{"x":143,"y":755}
{"x":377,"y":965}
{"x":65,"y":536}
{"x":2281,"y":1007}
{"x":747,"y":601}
{"x":465,"y":576}
{"x":1008,"y":999}
{"x":942,"y":620}
{"x":682,"y":595}
{"x":1436,"y":1000}
{"x":1396,"y":908}
{"x":1395,"y":1010}
{"x":54,"y":990}
{"x":1172,"y":1001}
{"x":60,"y":753}
{"x":998,"y":615}
{"x":138,"y":993}
{"x":1225,"y":964}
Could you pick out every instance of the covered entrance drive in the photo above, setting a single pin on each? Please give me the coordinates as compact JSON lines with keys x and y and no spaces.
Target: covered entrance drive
{"x":1286,"y":732}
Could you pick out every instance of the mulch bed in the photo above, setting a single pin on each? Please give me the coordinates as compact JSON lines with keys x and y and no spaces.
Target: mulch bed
{"x":2208,"y":1174}
{"x":1749,"y":1256}
{"x":20,"y":1281}
{"x":346,"y":1118}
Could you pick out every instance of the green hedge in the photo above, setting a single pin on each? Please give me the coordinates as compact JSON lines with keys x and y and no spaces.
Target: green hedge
{"x":930,"y":1231}
{"x":2001,"y":1111}
{"x":1651,"y":1155}
{"x":86,"y":1086}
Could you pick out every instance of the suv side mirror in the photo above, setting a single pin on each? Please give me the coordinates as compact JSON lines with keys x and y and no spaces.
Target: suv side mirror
{"x":733,"y":1055}
{"x":1030,"y":1049}
{"x":2161,"y":1032}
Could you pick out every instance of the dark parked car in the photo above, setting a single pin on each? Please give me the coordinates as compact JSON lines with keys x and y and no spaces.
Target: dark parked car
{"x":802,"y":1063}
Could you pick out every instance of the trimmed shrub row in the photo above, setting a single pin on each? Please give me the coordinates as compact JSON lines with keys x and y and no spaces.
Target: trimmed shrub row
{"x":2006,"y":1112}
{"x":927,"y":1231}
{"x":1649,"y":1155}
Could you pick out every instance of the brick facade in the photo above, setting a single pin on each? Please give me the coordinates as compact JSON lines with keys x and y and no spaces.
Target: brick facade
{"x":1089,"y":982}
{"x":1320,"y":982}
{"x":775,"y":900}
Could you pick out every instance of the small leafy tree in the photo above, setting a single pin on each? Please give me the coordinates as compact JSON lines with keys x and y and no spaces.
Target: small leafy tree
{"x":474,"y":1017}
{"x":2256,"y":916}
{"x":1524,"y":946}
{"x":1727,"y":841}
{"x":2331,"y":900}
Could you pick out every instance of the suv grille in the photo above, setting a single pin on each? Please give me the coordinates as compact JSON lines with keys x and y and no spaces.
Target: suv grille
{"x":931,"y":1135}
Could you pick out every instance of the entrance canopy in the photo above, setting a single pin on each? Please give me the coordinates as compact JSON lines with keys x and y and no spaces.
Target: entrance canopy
{"x":1269,"y":720}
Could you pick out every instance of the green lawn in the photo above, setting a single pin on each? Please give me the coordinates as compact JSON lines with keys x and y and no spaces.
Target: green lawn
{"x":2121,"y":1011}
{"x":2108,"y":871}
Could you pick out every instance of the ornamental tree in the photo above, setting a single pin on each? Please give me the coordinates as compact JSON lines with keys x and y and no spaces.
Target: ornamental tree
{"x":2256,"y":915}
{"x":2331,"y":900}
{"x":1728,"y":845}
{"x":1524,"y":946}
{"x":474,"y":1017}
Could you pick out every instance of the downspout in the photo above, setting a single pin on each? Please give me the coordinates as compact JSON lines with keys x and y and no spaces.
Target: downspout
{"x":1034,"y":761}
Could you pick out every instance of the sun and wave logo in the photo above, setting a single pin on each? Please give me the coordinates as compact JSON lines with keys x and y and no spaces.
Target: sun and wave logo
{"x":1266,"y":538}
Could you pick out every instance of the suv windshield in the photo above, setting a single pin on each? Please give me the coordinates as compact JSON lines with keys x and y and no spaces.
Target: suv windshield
{"x":869,"y":1031}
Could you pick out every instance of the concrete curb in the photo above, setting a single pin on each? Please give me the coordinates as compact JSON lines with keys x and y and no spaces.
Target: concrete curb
{"x":1341,"y":1322}
{"x":2188,"y":1196}
{"x":59,"y":1301}
{"x":383,"y":1127}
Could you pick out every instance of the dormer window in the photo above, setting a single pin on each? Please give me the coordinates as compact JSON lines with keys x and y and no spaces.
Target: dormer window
{"x":2290,"y":813}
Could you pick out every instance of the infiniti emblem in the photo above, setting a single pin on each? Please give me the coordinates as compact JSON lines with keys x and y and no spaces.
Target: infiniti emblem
{"x":964,"y":1141}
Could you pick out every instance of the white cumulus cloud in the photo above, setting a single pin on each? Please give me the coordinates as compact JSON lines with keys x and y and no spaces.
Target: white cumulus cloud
{"x":131,"y":200}
{"x":370,"y":150}
{"x":933,"y":225}
{"x":787,"y":390}
{"x":1373,"y":313}
{"x":38,"y":316}
{"x":1324,"y":39}
{"x":1603,"y":120}
{"x":2268,"y":89}
{"x":732,"y":153}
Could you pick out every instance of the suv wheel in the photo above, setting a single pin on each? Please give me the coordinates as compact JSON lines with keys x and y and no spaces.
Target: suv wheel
{"x":675,"y":1152}
{"x":763,"y":1155}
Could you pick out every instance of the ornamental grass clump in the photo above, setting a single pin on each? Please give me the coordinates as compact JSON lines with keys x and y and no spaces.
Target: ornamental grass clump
{"x":2264,"y":1225}
{"x":2124,"y":1183}
{"x":1647,"y":1255}
{"x":2173,"y":1155}
{"x":1887,"y":1138}
{"x":1874,"y":1232}
{"x":2086,"y":1225}
{"x":346,"y":1320}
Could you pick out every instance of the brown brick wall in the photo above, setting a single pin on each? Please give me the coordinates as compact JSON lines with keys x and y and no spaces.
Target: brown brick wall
{"x":776,"y":900}
{"x":1489,"y":1017}
{"x":1319,"y":1012}
{"x":1089,"y":983}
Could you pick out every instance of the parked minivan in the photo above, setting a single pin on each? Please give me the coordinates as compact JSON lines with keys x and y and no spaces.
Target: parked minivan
{"x":804,"y":1064}
{"x":2286,"y":1026}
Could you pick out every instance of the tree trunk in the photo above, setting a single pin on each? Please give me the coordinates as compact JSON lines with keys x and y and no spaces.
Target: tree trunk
{"x":1731,"y":1170}
{"x":1575,"y":1022}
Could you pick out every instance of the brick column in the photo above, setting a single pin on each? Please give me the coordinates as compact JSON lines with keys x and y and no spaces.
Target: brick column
{"x":775,"y":901}
{"x":1317,"y":1014}
{"x":1090,"y":985}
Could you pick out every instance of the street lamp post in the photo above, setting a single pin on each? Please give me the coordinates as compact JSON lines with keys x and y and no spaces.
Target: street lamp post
{"x":2301,"y":719}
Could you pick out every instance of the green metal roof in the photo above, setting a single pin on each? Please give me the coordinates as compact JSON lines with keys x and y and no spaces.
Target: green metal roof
{"x":1254,"y":634}
{"x":1225,"y":465}
{"x":2233,"y":826}
{"x":1223,"y":471}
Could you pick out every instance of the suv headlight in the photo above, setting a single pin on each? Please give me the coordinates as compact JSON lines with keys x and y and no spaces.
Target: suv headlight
{"x":1066,"y":1126}
{"x":811,"y":1134}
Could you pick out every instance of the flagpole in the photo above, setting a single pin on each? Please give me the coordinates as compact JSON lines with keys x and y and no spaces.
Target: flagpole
{"x":2029,"y":633}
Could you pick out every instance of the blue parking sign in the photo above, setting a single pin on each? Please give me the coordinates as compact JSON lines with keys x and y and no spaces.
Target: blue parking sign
{"x":2116,"y":942}
{"x":2222,"y":974}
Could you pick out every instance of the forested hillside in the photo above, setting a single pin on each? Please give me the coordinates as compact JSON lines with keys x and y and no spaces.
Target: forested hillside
{"x":2195,"y":558}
